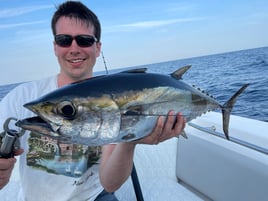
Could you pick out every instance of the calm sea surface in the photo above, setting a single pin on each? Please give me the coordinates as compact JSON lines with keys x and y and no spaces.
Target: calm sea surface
{"x":222,"y":75}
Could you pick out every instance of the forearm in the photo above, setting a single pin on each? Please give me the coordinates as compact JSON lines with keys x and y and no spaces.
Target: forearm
{"x":116,"y":165}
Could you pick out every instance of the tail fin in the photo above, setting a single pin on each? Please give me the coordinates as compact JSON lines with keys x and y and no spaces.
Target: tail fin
{"x":227,"y":108}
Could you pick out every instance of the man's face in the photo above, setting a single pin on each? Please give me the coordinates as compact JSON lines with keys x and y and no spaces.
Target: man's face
{"x":76,"y":62}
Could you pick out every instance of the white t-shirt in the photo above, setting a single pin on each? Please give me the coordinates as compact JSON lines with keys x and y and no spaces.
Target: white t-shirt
{"x":49,"y":170}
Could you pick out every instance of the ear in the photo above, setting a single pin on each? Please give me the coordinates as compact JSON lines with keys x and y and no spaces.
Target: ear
{"x":98,"y":49}
{"x":55,"y":48}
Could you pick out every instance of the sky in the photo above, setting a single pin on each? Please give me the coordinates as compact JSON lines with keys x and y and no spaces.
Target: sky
{"x":133,"y":32}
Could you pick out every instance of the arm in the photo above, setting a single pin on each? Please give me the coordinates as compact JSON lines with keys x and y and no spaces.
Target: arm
{"x":6,"y":167}
{"x":8,"y":108}
{"x":117,"y":159}
{"x":116,"y":165}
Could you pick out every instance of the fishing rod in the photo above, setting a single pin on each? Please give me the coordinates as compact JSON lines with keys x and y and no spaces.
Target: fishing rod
{"x":106,"y":69}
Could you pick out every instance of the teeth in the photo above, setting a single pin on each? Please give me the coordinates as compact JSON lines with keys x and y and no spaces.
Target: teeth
{"x":76,"y":60}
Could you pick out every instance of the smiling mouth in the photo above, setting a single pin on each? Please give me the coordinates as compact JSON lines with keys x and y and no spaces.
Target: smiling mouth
{"x":76,"y":60}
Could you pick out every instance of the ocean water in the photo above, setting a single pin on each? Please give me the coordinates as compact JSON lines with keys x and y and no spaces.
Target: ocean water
{"x":221,"y":75}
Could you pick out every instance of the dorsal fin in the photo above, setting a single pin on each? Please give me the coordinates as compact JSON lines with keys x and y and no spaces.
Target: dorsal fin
{"x":178,"y":73}
{"x":136,"y":70}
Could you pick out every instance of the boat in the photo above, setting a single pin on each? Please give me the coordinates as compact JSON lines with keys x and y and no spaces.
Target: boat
{"x":206,"y":166}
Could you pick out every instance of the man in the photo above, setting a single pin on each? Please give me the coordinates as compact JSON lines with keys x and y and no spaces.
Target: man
{"x":73,"y":174}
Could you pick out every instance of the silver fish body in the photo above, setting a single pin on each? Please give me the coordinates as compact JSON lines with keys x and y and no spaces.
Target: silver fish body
{"x":120,"y":107}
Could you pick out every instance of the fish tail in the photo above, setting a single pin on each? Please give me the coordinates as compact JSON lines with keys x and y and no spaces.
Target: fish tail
{"x":227,"y":109}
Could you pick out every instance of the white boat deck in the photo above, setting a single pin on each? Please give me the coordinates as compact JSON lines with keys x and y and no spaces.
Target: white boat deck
{"x":223,"y":170}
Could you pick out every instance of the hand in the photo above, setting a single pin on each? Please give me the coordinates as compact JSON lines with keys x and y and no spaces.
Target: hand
{"x":6,"y":167}
{"x":164,"y":130}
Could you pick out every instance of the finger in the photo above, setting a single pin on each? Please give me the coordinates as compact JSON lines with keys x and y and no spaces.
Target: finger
{"x":18,"y":152}
{"x":153,"y":137}
{"x":159,"y":126}
{"x":7,"y":163}
{"x":171,"y":118}
{"x":166,"y":131}
{"x":158,"y":130}
{"x":4,"y":178}
{"x":179,"y":125}
{"x":6,"y":167}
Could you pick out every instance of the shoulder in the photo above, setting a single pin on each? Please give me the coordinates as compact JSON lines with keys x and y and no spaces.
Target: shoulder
{"x":12,"y":103}
{"x":34,"y":89}
{"x":49,"y":83}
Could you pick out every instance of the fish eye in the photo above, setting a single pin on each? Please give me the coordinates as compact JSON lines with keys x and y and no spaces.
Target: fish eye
{"x":66,"y":109}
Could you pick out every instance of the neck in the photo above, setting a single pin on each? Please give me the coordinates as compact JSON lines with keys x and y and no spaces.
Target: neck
{"x":64,"y":80}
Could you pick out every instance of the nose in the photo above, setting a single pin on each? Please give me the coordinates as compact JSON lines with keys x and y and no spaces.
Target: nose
{"x":74,"y":48}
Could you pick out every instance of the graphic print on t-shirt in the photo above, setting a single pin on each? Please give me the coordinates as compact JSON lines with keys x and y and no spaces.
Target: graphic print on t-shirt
{"x":52,"y":156}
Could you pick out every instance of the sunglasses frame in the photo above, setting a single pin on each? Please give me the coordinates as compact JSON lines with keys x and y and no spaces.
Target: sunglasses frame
{"x":83,"y":40}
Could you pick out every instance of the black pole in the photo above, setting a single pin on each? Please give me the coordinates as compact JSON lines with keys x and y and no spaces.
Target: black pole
{"x":136,"y":184}
{"x":106,"y":69}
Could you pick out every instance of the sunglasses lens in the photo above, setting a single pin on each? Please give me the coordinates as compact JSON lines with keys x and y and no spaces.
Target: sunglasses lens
{"x":81,"y":40}
{"x":85,"y":40}
{"x":63,"y":40}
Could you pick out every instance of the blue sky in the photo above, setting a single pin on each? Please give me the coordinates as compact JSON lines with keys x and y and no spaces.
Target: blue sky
{"x":133,"y":32}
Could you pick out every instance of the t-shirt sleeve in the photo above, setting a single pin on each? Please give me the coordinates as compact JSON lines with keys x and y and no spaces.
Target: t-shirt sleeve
{"x":12,"y":105}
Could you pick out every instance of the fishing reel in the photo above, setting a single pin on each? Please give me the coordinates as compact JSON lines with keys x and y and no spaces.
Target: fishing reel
{"x":9,"y":140}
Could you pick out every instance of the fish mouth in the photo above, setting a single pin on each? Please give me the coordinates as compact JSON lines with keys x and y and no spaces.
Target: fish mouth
{"x":37,"y":124}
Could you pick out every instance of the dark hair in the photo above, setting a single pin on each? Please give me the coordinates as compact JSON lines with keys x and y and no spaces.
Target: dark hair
{"x":78,"y":11}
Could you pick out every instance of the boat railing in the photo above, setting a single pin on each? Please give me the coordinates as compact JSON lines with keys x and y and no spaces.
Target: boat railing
{"x":212,"y":131}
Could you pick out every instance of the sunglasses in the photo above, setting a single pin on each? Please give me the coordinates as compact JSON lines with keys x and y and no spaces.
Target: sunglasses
{"x":64,"y":40}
